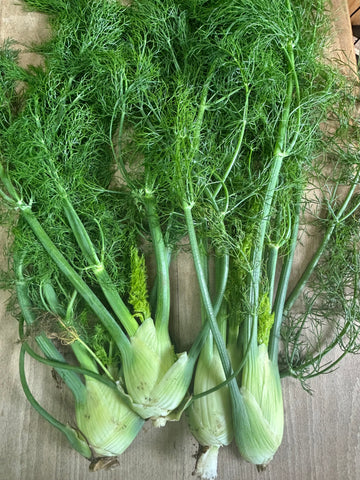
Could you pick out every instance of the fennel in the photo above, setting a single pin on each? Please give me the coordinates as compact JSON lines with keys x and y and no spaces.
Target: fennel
{"x":75,"y":233}
{"x":243,"y":144}
{"x":212,"y":121}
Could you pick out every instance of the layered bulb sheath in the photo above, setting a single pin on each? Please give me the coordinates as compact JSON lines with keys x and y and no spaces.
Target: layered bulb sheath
{"x":259,"y":414}
{"x":209,"y":416}
{"x":106,"y":421}
{"x":156,"y":379}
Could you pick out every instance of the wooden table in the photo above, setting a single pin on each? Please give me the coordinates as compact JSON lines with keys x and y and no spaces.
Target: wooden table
{"x":322,"y":432}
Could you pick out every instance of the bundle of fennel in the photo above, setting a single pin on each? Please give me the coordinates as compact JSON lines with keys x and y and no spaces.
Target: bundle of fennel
{"x":163,"y":122}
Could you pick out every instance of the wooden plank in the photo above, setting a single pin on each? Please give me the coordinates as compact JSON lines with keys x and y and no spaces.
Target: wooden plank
{"x":322,"y":431}
{"x":353,"y":6}
{"x":342,"y":43}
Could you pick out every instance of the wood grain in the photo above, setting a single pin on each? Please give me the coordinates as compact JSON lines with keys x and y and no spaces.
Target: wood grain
{"x":322,"y":432}
{"x":353,"y":5}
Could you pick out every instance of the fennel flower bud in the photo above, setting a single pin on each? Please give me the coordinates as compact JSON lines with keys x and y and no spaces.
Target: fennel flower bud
{"x":105,"y":420}
{"x":209,"y":417}
{"x":156,"y":379}
{"x":259,"y":415}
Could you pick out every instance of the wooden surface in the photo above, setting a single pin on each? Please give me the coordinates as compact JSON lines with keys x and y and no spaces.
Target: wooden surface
{"x":353,"y":5}
{"x":322,"y":432}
